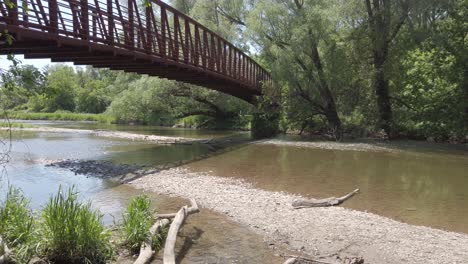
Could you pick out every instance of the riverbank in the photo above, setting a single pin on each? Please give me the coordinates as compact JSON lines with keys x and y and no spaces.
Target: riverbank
{"x":107,"y":134}
{"x":66,"y":116}
{"x":318,"y":232}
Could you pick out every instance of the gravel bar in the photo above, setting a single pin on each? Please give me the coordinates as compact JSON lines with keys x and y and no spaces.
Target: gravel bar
{"x":319,"y":232}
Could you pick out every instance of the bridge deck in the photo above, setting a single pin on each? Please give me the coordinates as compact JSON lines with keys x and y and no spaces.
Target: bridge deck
{"x":154,"y":39}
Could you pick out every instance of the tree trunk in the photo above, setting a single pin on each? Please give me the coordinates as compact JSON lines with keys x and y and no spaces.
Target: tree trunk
{"x":383,"y":99}
{"x":325,"y":93}
{"x":334,"y":122}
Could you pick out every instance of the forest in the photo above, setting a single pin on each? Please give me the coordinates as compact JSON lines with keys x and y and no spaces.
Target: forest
{"x":342,"y":69}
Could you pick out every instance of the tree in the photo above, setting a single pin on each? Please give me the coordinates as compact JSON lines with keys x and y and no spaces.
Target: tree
{"x":385,"y":18}
{"x":59,"y":91}
{"x":295,"y":36}
{"x":92,"y":98}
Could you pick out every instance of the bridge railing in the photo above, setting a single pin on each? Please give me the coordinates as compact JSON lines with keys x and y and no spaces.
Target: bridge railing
{"x":150,"y":27}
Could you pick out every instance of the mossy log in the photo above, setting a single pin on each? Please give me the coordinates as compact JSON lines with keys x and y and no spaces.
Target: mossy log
{"x":332,"y":201}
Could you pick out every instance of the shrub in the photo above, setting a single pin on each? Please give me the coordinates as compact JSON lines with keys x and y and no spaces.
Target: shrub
{"x":73,"y":232}
{"x":137,"y":221}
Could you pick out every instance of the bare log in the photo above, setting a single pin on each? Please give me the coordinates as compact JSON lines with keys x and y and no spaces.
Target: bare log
{"x":332,"y":201}
{"x":146,"y":251}
{"x":303,"y":260}
{"x":169,"y":247}
{"x":4,"y":252}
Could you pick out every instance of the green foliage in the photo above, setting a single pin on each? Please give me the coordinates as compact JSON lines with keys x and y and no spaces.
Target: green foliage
{"x":265,"y":121}
{"x":16,"y":220}
{"x":137,"y":221}
{"x":72,"y":232}
{"x":17,"y":225}
{"x":60,"y":90}
{"x":433,"y":100}
{"x":92,"y":98}
{"x":141,"y":103}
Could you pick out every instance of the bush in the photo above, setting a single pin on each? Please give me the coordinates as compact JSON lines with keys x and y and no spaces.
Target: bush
{"x":137,"y":221}
{"x":73,"y":232}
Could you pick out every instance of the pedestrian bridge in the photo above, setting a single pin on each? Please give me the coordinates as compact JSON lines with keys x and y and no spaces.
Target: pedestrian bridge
{"x":148,"y":38}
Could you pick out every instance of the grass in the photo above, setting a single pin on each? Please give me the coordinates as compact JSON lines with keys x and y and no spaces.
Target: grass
{"x":60,"y":115}
{"x":16,"y":220}
{"x":137,"y":221}
{"x":69,"y":231}
{"x":72,"y":232}
{"x":17,"y":225}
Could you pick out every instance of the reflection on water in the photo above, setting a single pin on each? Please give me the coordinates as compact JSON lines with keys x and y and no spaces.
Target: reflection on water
{"x":415,"y":187}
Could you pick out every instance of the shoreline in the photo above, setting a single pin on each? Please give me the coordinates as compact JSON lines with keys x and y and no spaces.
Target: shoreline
{"x":317,"y":232}
{"x":110,"y":134}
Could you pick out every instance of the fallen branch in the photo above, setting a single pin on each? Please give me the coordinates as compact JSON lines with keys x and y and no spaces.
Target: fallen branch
{"x":4,"y":252}
{"x":169,"y":247}
{"x":303,"y":260}
{"x":332,"y":201}
{"x":146,"y":250}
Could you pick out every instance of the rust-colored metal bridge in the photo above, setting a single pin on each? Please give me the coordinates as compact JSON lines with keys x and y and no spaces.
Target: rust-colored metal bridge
{"x":147,"y":37}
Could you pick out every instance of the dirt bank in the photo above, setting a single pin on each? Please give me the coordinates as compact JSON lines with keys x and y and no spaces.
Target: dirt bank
{"x":319,"y":232}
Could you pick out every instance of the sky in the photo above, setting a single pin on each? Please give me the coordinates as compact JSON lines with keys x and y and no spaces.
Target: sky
{"x":38,"y":63}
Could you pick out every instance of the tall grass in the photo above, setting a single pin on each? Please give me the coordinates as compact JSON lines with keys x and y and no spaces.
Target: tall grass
{"x":61,"y":115}
{"x":16,"y":219}
{"x":137,"y":221}
{"x":17,"y":225}
{"x":72,"y":232}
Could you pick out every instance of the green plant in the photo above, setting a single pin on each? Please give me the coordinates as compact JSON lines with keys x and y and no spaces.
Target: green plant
{"x":137,"y":221}
{"x":72,"y":232}
{"x":16,"y":220}
{"x":17,"y":225}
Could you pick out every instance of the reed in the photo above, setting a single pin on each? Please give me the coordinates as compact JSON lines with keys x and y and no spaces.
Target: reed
{"x":137,"y":221}
{"x":72,"y":232}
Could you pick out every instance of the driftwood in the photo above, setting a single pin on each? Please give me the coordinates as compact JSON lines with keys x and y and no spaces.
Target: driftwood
{"x":304,"y":260}
{"x":146,"y":251}
{"x":4,"y":252}
{"x":332,"y":201}
{"x":169,"y":247}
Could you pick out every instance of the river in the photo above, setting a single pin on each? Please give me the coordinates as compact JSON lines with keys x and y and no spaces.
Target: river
{"x":416,"y":183}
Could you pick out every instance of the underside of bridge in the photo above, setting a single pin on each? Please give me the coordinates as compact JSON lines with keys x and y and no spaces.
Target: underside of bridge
{"x":163,"y":42}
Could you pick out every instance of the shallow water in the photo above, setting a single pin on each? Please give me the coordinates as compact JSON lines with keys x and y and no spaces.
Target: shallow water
{"x":417,"y":183}
{"x":207,"y":237}
{"x":412,"y":184}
